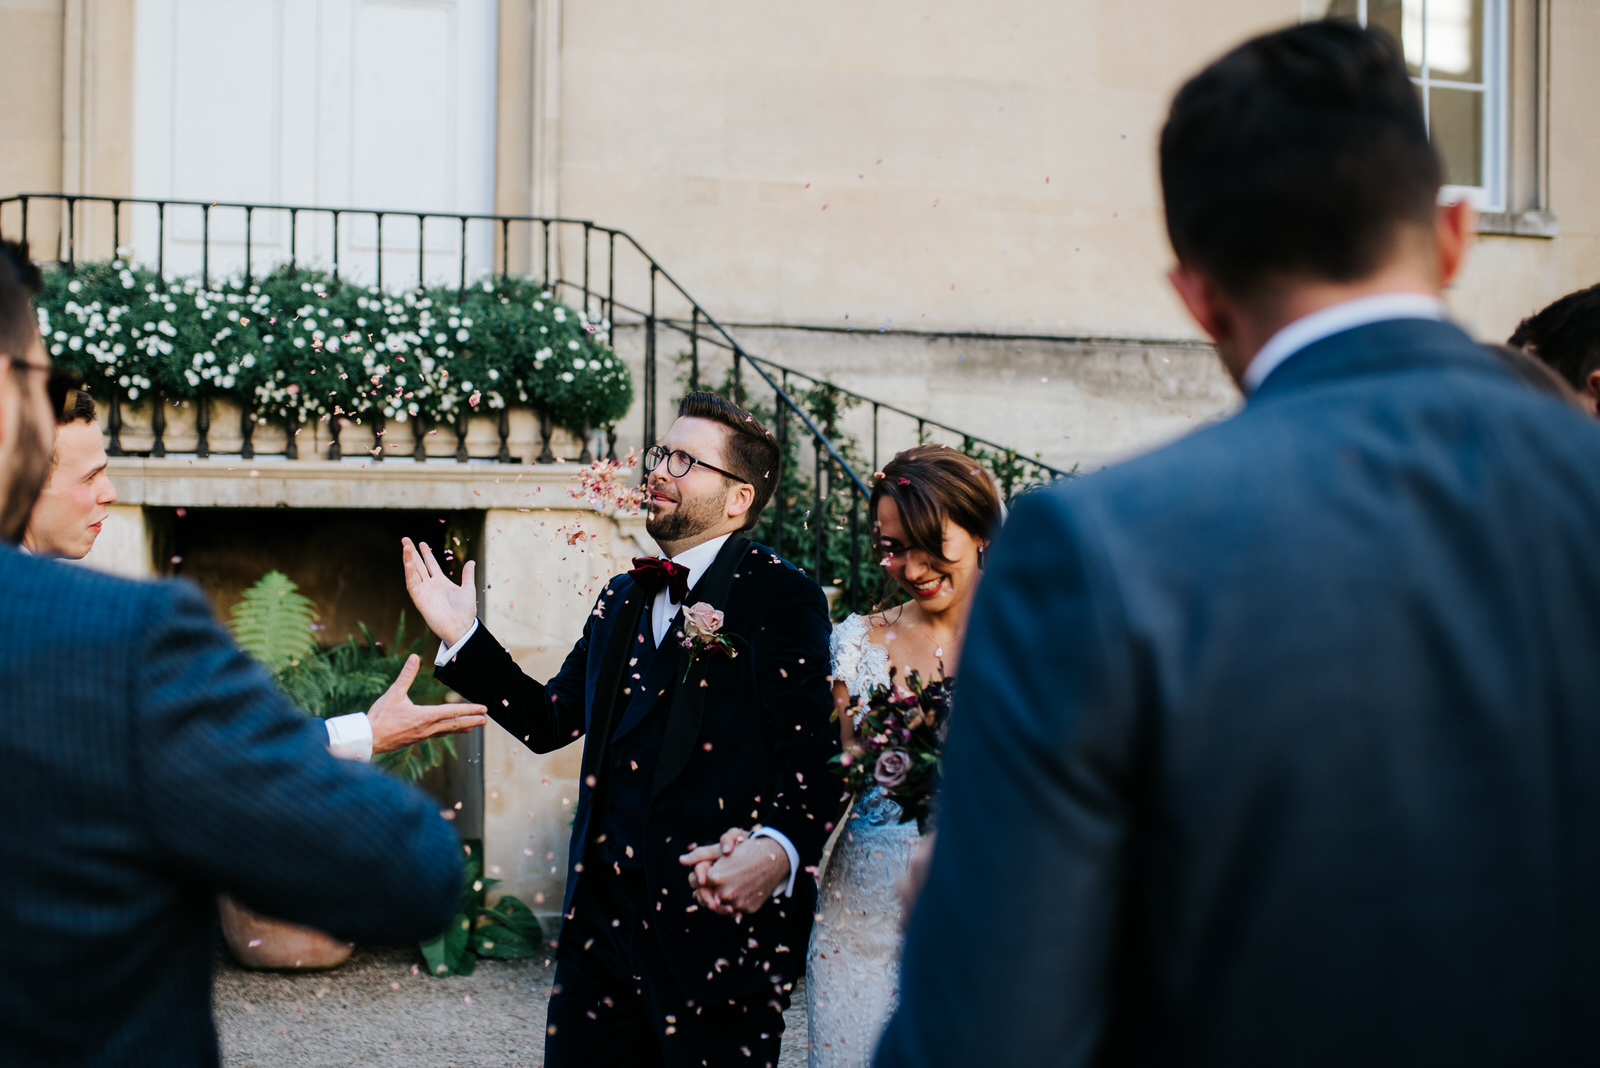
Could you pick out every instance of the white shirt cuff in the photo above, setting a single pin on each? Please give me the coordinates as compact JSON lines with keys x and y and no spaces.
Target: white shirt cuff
{"x":788,"y":847}
{"x":448,"y":653}
{"x":350,"y":736}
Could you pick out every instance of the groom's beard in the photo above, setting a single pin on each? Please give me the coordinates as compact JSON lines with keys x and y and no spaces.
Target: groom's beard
{"x":691,"y":517}
{"x":30,"y":468}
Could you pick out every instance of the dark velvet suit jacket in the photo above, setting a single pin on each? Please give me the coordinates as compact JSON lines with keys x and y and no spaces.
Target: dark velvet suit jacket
{"x":747,"y":741}
{"x":1281,"y":745}
{"x":146,"y":764}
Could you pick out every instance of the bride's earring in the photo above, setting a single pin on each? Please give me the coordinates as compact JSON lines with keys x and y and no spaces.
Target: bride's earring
{"x":982,"y":555}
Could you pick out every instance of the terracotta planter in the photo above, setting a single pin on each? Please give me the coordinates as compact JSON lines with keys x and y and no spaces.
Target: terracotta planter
{"x":259,"y":941}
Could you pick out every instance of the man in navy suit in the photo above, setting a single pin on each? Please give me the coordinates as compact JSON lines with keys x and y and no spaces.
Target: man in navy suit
{"x":1279,"y":746}
{"x":149,"y":765}
{"x":706,"y":793}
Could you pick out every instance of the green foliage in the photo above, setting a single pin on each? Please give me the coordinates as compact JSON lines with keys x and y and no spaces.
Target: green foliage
{"x":297,"y":345}
{"x":802,"y":521}
{"x":272,"y":622}
{"x":509,"y":931}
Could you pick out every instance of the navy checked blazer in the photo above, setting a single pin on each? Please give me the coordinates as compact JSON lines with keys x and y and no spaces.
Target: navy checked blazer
{"x":146,"y":765}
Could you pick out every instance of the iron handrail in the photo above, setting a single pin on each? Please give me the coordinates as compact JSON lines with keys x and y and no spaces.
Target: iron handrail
{"x":701,"y":325}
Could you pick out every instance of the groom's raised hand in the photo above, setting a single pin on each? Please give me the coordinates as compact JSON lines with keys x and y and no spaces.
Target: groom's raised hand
{"x":397,"y":722}
{"x":447,"y":608}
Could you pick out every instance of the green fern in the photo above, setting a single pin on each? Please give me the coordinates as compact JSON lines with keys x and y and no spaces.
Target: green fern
{"x":272,"y":622}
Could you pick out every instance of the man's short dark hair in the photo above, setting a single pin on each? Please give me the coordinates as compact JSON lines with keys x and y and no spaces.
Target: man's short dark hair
{"x":19,"y":281}
{"x":1300,"y":154}
{"x":79,"y":408}
{"x":1566,"y":336}
{"x":752,"y":450}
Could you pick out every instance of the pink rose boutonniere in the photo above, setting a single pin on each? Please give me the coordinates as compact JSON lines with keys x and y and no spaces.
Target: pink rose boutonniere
{"x":703,"y":637}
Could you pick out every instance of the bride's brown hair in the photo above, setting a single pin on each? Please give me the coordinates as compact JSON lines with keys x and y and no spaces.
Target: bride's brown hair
{"x":930,"y":483}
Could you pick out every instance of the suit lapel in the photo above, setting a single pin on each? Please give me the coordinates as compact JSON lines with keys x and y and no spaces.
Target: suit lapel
{"x":687,"y":707}
{"x":612,"y":669}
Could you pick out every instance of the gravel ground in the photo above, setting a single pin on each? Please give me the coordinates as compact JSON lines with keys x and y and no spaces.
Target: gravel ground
{"x":378,"y":1010}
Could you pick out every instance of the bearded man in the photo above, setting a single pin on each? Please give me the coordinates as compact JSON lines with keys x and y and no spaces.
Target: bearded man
{"x":705,"y":789}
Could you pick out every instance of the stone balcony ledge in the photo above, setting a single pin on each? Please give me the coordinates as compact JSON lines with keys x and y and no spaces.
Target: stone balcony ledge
{"x":357,"y":482}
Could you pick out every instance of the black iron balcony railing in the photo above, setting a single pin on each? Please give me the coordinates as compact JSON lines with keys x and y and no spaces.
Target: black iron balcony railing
{"x":602,"y":270}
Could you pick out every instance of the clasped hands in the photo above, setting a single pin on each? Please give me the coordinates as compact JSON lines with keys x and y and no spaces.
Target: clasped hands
{"x":738,"y":874}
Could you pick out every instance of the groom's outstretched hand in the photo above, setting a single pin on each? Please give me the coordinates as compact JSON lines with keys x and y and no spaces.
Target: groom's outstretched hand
{"x":447,"y":608}
{"x":396,"y":722}
{"x":738,"y":874}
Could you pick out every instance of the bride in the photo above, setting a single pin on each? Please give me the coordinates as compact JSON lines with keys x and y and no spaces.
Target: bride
{"x":934,"y":511}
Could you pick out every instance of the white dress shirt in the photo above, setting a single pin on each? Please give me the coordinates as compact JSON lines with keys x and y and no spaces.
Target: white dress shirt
{"x":1335,"y":319}
{"x":663,"y":610}
{"x":350,"y":736}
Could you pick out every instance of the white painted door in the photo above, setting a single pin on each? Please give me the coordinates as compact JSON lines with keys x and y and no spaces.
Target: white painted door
{"x":385,"y":104}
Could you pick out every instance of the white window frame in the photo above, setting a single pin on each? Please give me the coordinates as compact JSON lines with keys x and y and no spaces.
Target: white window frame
{"x":1491,"y":196}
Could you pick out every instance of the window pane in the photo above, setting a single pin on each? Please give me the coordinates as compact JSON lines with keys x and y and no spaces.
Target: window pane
{"x":1403,"y":21}
{"x":1457,"y":129}
{"x":1455,"y":40}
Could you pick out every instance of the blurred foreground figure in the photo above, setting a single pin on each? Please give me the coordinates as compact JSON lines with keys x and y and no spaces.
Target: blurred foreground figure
{"x":77,"y":494}
{"x":1278,"y":746}
{"x":1566,"y":336}
{"x":149,"y":765}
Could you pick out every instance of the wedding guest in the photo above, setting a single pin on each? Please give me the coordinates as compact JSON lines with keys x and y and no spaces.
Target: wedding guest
{"x":77,"y":495}
{"x":1566,"y":336}
{"x":149,"y":766}
{"x":934,"y":511}
{"x":1277,"y":746}
{"x":68,"y":515}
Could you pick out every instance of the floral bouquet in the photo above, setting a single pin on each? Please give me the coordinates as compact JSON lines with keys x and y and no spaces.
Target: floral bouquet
{"x":899,"y":739}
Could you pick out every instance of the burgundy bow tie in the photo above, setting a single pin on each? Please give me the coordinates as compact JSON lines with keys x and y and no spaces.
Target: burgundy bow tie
{"x":653,"y":573}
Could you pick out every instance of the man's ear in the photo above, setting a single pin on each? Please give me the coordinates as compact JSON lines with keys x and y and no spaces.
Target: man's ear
{"x":1591,"y":398}
{"x":740,"y":498}
{"x":1201,"y":296}
{"x":1453,"y":230}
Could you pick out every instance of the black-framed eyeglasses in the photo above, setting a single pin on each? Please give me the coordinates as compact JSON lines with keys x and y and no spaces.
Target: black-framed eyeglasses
{"x":680,"y":463}
{"x":60,"y":384}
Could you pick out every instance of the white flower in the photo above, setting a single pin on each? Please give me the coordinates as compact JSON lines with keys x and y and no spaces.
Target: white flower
{"x":573,"y":345}
{"x":579,"y":364}
{"x":462,"y":335}
{"x":74,"y":286}
{"x":566,"y":376}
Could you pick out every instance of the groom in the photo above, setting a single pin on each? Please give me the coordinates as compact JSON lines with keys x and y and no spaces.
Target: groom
{"x":675,"y":949}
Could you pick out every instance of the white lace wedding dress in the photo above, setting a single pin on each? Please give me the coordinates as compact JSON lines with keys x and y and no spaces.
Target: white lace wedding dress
{"x":853,"y":964}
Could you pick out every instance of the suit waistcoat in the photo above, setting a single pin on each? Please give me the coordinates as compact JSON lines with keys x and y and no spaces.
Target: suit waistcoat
{"x":631,"y":757}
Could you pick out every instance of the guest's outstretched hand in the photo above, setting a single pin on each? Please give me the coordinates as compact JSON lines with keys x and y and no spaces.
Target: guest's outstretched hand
{"x":397,"y":722}
{"x":447,"y":608}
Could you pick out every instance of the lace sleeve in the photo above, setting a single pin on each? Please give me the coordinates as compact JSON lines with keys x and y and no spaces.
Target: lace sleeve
{"x":845,"y":646}
{"x":858,"y":662}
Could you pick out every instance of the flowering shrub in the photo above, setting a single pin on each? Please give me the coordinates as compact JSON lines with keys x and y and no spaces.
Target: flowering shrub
{"x":296,"y":346}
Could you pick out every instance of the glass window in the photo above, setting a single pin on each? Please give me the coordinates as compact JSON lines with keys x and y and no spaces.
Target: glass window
{"x":1455,"y":53}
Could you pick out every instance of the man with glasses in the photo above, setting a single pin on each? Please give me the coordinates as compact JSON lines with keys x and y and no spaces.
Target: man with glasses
{"x":149,"y":766}
{"x":77,"y":494}
{"x":705,"y":790}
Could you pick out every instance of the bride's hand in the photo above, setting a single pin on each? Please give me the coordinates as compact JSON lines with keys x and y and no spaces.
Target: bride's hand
{"x":397,"y":722}
{"x":447,"y":609}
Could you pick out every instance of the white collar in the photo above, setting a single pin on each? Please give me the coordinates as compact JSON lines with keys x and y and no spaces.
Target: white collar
{"x":1335,"y":319}
{"x":699,"y":558}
